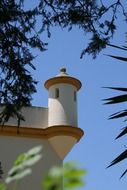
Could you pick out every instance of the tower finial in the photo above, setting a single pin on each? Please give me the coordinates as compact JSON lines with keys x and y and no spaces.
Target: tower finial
{"x":63,"y":70}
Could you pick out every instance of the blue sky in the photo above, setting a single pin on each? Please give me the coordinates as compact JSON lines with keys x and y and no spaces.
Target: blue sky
{"x":97,"y":148}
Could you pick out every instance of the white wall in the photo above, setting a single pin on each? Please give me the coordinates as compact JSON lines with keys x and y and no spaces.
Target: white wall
{"x":35,"y":117}
{"x":11,"y":147}
{"x":62,"y":110}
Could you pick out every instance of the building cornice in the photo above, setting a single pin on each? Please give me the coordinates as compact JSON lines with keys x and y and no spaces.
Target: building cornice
{"x":38,"y":133}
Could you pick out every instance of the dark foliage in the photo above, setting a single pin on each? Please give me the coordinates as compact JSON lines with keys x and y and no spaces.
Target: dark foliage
{"x":120,"y":158}
{"x":121,"y":114}
{"x":89,"y":15}
{"x":1,"y":171}
{"x":17,"y":36}
{"x":124,"y":132}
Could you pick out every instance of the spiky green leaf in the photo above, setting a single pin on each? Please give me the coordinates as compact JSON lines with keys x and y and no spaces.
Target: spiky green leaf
{"x":124,"y":132}
{"x":118,"y":114}
{"x":118,"y":57}
{"x":116,"y":99}
{"x":123,"y":174}
{"x":118,"y":47}
{"x":120,"y":158}
{"x":117,"y":88}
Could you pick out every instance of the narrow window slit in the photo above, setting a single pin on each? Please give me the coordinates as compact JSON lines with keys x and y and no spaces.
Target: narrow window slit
{"x":57,"y":93}
{"x":75,"y":96}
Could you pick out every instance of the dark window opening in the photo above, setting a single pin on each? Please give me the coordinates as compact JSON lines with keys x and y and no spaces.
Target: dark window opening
{"x":57,"y":93}
{"x":75,"y":96}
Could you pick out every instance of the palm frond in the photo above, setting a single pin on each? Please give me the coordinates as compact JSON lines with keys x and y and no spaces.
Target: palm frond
{"x":121,"y":157}
{"x":121,"y":114}
{"x":118,"y":114}
{"x":116,"y":99}
{"x":125,"y":47}
{"x":118,"y":47}
{"x":117,"y":88}
{"x":124,"y":132}
{"x":118,"y":57}
{"x":123,"y":173}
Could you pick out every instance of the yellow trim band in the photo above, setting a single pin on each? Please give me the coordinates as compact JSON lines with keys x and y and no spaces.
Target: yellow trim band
{"x":62,"y":79}
{"x":42,"y":133}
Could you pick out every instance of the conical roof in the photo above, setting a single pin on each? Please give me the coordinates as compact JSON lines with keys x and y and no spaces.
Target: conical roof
{"x":63,"y":77}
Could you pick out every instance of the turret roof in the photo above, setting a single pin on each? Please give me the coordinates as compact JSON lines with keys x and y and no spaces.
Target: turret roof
{"x":63,"y":77}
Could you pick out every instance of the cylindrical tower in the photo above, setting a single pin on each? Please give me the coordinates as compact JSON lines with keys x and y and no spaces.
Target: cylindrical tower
{"x":62,"y":102}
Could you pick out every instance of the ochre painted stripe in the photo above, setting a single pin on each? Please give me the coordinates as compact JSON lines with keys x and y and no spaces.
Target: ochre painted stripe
{"x":42,"y":133}
{"x":62,"y":79}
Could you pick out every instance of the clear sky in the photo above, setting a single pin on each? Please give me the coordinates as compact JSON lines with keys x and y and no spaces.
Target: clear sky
{"x":97,"y":148}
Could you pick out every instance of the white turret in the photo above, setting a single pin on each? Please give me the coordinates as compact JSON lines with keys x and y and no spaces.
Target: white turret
{"x":62,"y":102}
{"x":62,"y":112}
